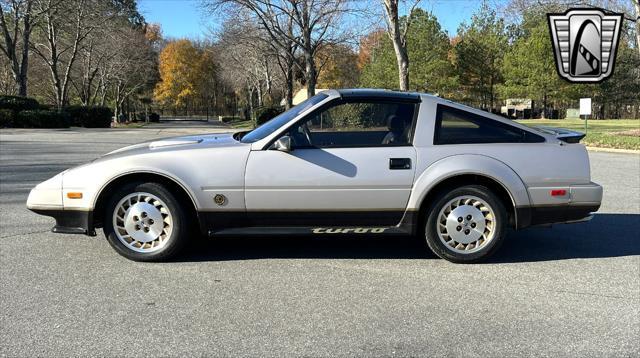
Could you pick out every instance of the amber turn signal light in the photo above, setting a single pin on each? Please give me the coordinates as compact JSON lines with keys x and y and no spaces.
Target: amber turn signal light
{"x":72,"y":195}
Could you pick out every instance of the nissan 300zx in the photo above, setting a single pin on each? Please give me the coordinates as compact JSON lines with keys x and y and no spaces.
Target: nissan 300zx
{"x":344,"y":162}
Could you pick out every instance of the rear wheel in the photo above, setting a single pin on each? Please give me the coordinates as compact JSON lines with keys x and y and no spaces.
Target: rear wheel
{"x":145,"y":222}
{"x":466,"y":225}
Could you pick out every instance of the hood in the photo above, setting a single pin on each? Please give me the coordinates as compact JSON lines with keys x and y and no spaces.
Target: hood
{"x":183,"y":142}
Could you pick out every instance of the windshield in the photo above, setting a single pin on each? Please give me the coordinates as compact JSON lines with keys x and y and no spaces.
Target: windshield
{"x":282,"y":119}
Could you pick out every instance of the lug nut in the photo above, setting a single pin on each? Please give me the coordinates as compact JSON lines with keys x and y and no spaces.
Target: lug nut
{"x":144,"y":215}
{"x":459,"y":228}
{"x":135,"y":218}
{"x":473,"y":225}
{"x":468,"y":217}
{"x":137,"y":227}
{"x":460,"y":219}
{"x":150,"y":221}
{"x":466,"y":232}
{"x":146,"y":229}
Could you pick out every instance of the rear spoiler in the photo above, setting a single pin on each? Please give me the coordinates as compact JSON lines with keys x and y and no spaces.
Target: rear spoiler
{"x":565,"y":135}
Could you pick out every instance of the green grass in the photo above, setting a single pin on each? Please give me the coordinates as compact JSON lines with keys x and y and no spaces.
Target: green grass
{"x":608,"y":133}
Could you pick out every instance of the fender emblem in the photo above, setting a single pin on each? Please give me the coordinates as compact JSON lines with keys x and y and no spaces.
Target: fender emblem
{"x":220,"y":199}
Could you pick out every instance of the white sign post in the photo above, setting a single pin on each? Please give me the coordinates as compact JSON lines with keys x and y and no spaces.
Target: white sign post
{"x":585,"y":110}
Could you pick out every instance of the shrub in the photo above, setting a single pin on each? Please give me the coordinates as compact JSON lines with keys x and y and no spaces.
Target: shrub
{"x":18,"y":103}
{"x":7,"y":117}
{"x":154,"y":117}
{"x":264,"y":114}
{"x":89,"y":116}
{"x":42,"y":119}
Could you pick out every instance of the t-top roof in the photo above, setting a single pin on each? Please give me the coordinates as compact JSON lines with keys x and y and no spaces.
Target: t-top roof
{"x":378,"y":93}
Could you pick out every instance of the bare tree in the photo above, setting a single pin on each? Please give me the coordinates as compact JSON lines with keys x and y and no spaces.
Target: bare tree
{"x":397,"y":32}
{"x":65,"y":26}
{"x":16,"y":22}
{"x":131,"y":69}
{"x":314,"y":22}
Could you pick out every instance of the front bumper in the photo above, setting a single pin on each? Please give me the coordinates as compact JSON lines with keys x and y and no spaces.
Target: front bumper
{"x":70,"y":221}
{"x":47,"y":199}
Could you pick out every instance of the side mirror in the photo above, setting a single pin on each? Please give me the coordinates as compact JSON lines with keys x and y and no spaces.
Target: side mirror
{"x":283,"y":144}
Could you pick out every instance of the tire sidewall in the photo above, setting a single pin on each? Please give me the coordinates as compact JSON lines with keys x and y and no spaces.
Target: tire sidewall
{"x":440,"y":249}
{"x":178,"y":233}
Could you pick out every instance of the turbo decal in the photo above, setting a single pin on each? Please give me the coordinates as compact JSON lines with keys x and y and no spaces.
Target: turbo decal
{"x":357,"y":230}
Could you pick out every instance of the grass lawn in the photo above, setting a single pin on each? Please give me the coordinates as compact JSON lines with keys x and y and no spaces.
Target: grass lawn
{"x":608,"y":133}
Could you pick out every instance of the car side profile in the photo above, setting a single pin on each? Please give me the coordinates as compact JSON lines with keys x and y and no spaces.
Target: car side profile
{"x":344,"y":162}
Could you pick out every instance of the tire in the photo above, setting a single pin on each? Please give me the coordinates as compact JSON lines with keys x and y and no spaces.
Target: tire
{"x":145,"y":222}
{"x":474,"y":238}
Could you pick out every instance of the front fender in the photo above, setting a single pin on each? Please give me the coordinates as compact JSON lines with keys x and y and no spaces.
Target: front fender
{"x":92,"y":179}
{"x":475,"y":164}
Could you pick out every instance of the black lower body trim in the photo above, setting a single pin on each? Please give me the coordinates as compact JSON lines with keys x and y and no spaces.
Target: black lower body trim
{"x":70,"y":221}
{"x":541,"y":215}
{"x":298,"y":222}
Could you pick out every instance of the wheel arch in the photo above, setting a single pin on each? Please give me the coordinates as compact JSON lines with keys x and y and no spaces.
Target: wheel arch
{"x":173,"y":185}
{"x":460,"y":170}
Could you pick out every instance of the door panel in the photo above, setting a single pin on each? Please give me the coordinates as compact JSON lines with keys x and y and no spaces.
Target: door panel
{"x":330,"y":180}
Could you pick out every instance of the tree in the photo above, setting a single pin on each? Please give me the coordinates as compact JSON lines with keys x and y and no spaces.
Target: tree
{"x":427,"y":48}
{"x":16,"y":22}
{"x":307,"y":23}
{"x":529,"y":68}
{"x":338,"y":66}
{"x":178,"y":78}
{"x":64,"y":28}
{"x":397,"y":32}
{"x":478,"y":56}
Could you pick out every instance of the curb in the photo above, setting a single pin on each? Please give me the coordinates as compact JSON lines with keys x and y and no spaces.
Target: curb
{"x":613,"y":150}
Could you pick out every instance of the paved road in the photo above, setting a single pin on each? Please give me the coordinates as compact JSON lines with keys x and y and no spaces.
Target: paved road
{"x":573,"y":290}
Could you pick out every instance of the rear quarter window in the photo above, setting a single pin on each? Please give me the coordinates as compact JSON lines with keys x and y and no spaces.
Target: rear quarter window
{"x":456,"y":126}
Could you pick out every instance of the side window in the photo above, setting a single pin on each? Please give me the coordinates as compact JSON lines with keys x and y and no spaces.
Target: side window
{"x":455,"y":126}
{"x":356,"y":124}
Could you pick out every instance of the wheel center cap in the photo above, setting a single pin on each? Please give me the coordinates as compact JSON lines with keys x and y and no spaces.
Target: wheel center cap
{"x":465,"y":224}
{"x":143,"y":222}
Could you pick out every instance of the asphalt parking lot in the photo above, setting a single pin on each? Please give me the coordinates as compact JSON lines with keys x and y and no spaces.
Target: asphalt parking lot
{"x":570,"y":290}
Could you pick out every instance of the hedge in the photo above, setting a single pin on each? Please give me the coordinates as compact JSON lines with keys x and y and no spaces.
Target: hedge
{"x":264,"y":114}
{"x":16,"y":103}
{"x":89,"y":116}
{"x":154,"y":117}
{"x":42,"y":119}
{"x":6,"y":118}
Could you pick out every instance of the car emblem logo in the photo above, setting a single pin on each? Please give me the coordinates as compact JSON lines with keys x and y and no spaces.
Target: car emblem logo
{"x":585,"y":43}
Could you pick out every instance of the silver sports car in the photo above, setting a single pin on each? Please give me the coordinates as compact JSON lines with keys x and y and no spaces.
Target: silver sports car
{"x":344,"y":162}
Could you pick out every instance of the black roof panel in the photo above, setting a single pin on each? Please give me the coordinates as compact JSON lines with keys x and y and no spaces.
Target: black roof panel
{"x":378,"y":93}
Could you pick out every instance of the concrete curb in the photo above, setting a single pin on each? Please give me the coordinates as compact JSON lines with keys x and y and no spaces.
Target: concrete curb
{"x":613,"y":150}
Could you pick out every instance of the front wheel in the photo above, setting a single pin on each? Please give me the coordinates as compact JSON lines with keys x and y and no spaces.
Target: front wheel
{"x":145,"y":222}
{"x":466,"y":225}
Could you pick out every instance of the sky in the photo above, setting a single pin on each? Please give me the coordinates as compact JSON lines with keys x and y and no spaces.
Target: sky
{"x":185,"y":18}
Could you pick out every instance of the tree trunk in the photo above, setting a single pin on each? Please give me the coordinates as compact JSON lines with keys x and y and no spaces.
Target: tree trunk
{"x":289,"y":87}
{"x":310,"y":74}
{"x":399,"y":43}
{"x":22,"y":78}
{"x":636,"y":4}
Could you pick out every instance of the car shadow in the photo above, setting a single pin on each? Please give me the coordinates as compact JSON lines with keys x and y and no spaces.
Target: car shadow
{"x":607,"y":235}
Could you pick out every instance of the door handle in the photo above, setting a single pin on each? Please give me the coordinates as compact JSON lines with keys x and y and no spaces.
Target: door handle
{"x":399,"y":163}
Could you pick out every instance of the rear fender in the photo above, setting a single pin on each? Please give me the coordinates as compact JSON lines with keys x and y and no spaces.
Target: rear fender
{"x":474,"y":164}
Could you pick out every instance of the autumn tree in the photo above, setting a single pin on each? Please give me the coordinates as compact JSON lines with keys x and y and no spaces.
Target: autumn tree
{"x":186,"y":72}
{"x":338,"y":66}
